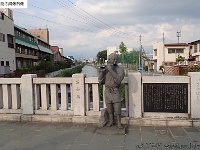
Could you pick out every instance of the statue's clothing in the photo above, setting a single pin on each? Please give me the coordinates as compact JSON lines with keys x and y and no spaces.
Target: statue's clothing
{"x":112,"y":84}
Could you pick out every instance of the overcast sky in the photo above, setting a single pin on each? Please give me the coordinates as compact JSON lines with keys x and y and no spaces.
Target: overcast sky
{"x":85,"y":27}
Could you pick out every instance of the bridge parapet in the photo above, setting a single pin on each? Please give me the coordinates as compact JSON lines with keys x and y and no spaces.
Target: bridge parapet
{"x":80,"y":97}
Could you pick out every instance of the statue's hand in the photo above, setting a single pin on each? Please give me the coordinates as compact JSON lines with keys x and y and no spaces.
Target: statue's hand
{"x":110,"y":67}
{"x":102,"y":68}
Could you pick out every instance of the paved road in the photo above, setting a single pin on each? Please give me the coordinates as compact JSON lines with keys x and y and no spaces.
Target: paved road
{"x":63,"y":136}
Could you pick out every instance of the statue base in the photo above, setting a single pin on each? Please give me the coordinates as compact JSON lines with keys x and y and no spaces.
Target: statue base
{"x":111,"y":130}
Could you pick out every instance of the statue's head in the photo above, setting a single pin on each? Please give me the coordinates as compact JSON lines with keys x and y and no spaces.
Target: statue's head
{"x":113,"y":58}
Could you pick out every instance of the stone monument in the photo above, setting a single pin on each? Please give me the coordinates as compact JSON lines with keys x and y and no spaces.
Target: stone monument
{"x":111,"y":75}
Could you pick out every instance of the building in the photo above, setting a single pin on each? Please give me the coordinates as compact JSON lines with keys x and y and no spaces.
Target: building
{"x":7,"y":41}
{"x":195,"y":50}
{"x":57,"y":54}
{"x":71,"y":58}
{"x":167,"y":54}
{"x":30,"y":49}
{"x":41,"y":33}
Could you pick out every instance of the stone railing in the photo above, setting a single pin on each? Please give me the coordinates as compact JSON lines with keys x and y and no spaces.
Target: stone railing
{"x":78,"y":98}
{"x":75,"y":96}
{"x":10,"y":101}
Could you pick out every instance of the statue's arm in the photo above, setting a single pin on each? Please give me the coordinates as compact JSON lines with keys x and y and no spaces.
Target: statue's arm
{"x":119,"y":76}
{"x":101,"y":76}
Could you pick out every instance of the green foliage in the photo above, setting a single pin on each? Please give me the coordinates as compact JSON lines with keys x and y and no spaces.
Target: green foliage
{"x":161,"y":67}
{"x":122,"y":87}
{"x":129,"y":57}
{"x":122,"y":50}
{"x":180,"y":58}
{"x":47,"y":58}
{"x":47,"y":65}
{"x":101,"y":92}
{"x":70,"y":72}
{"x":102,"y":55}
{"x":195,"y":69}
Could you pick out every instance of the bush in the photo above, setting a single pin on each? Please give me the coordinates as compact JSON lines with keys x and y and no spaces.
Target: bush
{"x":47,"y":66}
{"x":70,"y":72}
{"x":195,"y":69}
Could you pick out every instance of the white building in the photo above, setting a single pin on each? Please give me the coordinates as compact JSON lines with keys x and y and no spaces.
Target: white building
{"x":195,"y":50}
{"x":163,"y":53}
{"x":114,"y":49}
{"x":7,"y":41}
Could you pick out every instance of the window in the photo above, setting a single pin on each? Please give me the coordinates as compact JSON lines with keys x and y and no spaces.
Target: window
{"x":155,"y":52}
{"x":2,"y":37}
{"x":174,"y":50}
{"x":10,"y":40}
{"x":171,"y":50}
{"x":199,"y":47}
{"x":2,"y":63}
{"x":179,"y":50}
{"x":19,"y":49}
{"x":7,"y":63}
{"x":195,"y":48}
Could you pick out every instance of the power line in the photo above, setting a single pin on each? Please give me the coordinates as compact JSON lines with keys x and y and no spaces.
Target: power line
{"x":101,"y":24}
{"x":56,"y":13}
{"x":114,"y":24}
{"x":62,"y":25}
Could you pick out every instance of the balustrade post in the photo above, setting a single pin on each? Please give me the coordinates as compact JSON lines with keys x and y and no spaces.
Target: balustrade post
{"x":1,"y":97}
{"x":27,"y":94}
{"x":78,"y":91}
{"x":135,"y":94}
{"x":195,"y":94}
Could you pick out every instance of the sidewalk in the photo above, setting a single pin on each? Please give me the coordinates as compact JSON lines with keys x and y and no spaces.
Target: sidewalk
{"x":64,"y":136}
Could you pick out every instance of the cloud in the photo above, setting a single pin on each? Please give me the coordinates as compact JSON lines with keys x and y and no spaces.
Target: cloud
{"x":90,"y":26}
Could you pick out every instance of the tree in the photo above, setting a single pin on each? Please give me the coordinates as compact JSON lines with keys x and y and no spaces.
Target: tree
{"x":102,"y":56}
{"x":131,"y":57}
{"x":122,"y":50}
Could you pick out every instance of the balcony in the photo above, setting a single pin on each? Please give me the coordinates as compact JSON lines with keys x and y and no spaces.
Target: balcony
{"x":18,"y":55}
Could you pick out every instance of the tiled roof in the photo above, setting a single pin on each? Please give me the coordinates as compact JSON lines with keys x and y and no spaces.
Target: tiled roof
{"x":44,"y":49}
{"x":26,"y":31}
{"x":25,"y":42}
{"x":197,"y":41}
{"x":54,"y":48}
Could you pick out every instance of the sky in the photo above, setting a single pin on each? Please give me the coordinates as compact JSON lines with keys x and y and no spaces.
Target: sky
{"x":85,"y":27}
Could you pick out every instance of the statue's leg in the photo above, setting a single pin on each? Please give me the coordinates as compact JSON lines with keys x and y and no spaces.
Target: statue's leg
{"x":117,"y":109}
{"x":111,"y":115}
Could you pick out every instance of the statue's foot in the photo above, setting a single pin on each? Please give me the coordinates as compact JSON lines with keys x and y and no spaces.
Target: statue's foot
{"x":110,"y":123}
{"x":119,"y":125}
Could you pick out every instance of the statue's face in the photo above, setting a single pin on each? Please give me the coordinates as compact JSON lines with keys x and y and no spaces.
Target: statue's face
{"x":114,"y":60}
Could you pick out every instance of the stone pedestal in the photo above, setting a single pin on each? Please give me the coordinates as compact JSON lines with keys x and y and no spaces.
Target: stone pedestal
{"x":104,"y":118}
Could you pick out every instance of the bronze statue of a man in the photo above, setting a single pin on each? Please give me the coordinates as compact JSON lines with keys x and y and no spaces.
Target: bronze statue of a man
{"x":111,"y":76}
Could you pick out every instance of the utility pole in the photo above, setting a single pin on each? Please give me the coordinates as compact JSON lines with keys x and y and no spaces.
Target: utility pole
{"x":163,"y":48}
{"x":140,"y":53}
{"x":178,"y":34}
